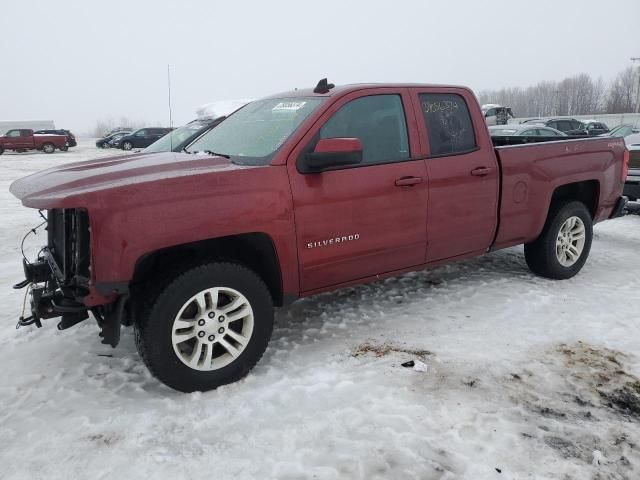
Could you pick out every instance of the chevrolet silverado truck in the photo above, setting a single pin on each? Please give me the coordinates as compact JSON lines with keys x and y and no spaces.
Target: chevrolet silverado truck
{"x":22,"y":139}
{"x":296,"y":194}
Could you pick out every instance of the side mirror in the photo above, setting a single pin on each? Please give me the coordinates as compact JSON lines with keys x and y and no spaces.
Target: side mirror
{"x":333,"y":152}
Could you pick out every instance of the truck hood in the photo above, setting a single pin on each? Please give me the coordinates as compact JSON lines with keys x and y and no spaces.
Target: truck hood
{"x":57,"y":187}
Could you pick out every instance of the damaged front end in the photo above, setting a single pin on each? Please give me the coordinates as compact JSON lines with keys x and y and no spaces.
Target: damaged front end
{"x":59,"y":278}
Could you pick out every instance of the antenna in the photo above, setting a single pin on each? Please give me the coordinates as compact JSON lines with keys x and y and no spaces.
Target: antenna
{"x":323,"y":86}
{"x":170,"y":114}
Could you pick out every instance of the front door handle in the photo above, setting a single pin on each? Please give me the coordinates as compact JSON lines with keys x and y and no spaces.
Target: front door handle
{"x":408,"y":181}
{"x":480,"y":171}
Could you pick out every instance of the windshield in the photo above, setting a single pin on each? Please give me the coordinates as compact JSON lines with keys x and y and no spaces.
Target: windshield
{"x":621,"y":131}
{"x":175,"y":138}
{"x":254,"y":133}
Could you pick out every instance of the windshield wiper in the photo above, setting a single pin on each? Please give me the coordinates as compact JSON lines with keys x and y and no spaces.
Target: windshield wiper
{"x":208,"y":152}
{"x":216,"y":154}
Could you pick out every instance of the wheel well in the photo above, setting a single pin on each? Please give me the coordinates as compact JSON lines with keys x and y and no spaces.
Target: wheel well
{"x":254,"y":250}
{"x":586,"y":192}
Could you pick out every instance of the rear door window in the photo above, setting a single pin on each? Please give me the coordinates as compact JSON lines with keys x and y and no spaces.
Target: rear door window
{"x":448,"y":122}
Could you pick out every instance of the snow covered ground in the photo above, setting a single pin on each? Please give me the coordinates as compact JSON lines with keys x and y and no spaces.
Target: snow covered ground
{"x":526,"y":378}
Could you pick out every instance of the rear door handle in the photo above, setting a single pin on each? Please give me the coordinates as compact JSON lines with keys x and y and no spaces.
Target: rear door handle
{"x":480,"y":171}
{"x":408,"y":181}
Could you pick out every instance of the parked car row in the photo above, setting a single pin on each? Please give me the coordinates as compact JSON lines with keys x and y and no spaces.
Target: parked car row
{"x":128,"y":140}
{"x":155,"y":140}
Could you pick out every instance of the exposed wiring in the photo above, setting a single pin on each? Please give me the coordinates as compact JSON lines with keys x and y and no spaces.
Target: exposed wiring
{"x":33,"y":230}
{"x":24,"y":302}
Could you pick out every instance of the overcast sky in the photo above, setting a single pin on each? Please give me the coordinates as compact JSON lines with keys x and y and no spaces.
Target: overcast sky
{"x":75,"y":62}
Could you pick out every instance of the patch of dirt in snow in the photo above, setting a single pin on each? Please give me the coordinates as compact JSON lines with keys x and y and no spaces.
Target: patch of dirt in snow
{"x":572,"y":407}
{"x":380,"y":350}
{"x":582,"y":404}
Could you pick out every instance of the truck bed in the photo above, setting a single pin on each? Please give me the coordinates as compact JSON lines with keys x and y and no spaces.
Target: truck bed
{"x":521,"y":139}
{"x":532,"y":172}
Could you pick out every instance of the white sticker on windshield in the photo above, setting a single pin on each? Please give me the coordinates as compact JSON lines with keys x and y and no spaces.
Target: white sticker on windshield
{"x":291,"y":106}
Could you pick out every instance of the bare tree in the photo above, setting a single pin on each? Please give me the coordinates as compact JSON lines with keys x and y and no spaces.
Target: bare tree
{"x":576,"y":95}
{"x":106,"y":125}
{"x":623,"y":92}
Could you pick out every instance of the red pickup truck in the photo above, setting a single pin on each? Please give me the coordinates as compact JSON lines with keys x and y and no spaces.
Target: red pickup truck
{"x":22,"y":139}
{"x":295,"y":194}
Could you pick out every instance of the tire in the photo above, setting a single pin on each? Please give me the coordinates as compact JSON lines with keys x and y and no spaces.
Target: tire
{"x":170,"y":350}
{"x":48,"y":148}
{"x":127,"y":145}
{"x":64,"y":149}
{"x":1,"y":149}
{"x":563,"y":247}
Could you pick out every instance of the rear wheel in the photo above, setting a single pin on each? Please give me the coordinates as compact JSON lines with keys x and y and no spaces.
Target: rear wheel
{"x":562,"y":248}
{"x":208,"y":327}
{"x":48,"y":148}
{"x":127,"y":145}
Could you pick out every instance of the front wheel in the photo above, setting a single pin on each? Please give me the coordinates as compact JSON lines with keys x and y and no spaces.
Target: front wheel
{"x":208,"y":327}
{"x":48,"y":148}
{"x":1,"y":150}
{"x":64,"y":149}
{"x":562,"y":248}
{"x":127,"y":145}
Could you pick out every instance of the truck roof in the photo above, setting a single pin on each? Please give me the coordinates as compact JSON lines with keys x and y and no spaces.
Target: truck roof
{"x":353,"y":87}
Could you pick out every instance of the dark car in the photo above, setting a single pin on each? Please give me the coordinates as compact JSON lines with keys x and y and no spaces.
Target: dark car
{"x":108,"y":140}
{"x":120,"y":129}
{"x":595,"y":128}
{"x":570,"y":126}
{"x":183,"y":136}
{"x":141,"y":138}
{"x":71,"y":138}
{"x":525,"y":130}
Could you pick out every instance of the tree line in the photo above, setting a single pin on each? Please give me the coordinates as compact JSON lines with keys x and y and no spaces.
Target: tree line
{"x":576,"y":95}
